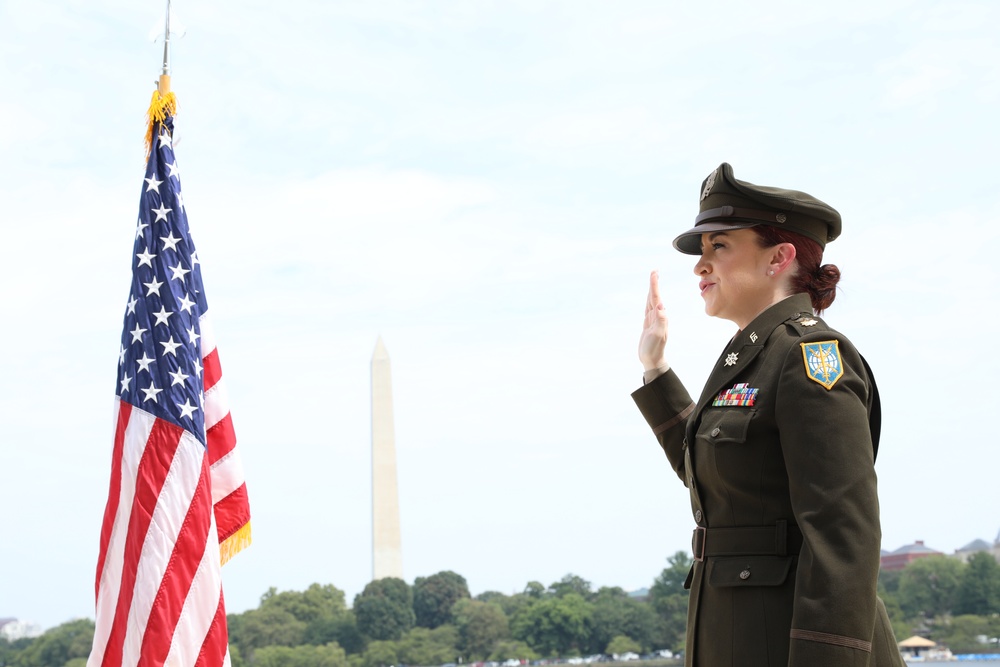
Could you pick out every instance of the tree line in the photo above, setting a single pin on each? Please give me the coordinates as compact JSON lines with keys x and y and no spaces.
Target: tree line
{"x":946,"y":600}
{"x":436,"y":621}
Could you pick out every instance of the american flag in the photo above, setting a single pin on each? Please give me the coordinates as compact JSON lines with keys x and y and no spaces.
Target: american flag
{"x":177,"y":507}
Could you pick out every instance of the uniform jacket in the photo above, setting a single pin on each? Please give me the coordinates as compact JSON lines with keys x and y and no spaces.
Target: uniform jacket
{"x":780,"y":466}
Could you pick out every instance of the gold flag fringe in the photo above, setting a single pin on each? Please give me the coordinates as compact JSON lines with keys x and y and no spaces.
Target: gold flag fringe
{"x":160,"y":107}
{"x":235,"y":543}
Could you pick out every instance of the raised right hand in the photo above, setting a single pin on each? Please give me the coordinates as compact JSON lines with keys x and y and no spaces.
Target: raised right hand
{"x":654,"y":329}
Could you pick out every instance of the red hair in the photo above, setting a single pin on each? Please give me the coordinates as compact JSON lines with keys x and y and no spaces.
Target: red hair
{"x":820,"y":282}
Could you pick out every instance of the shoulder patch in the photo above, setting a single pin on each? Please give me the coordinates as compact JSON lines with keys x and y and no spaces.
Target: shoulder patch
{"x":822,"y":361}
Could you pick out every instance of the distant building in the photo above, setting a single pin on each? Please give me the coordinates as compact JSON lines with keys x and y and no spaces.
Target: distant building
{"x":977,"y":546}
{"x":11,"y":629}
{"x":903,"y":556}
{"x":973,"y":547}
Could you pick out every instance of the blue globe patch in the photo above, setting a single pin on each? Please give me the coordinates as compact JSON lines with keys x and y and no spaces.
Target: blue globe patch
{"x":823,"y":363}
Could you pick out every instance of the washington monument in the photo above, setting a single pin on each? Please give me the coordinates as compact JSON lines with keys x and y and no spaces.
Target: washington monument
{"x":387,"y":552}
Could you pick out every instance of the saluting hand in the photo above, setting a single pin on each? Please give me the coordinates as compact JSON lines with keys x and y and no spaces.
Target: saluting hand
{"x":654,"y":328}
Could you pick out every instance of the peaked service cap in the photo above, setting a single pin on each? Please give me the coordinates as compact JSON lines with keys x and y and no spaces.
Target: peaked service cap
{"x":727,"y":203}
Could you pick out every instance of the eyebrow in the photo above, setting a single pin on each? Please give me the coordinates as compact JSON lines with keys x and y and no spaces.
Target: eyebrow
{"x":713,"y":235}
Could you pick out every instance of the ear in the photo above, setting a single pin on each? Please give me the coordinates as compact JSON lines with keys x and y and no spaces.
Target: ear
{"x":782,"y":256}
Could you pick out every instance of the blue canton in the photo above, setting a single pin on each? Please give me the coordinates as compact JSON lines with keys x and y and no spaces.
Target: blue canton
{"x":159,"y":365}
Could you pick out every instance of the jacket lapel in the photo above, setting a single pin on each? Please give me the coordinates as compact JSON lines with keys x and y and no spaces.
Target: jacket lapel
{"x":743,"y":348}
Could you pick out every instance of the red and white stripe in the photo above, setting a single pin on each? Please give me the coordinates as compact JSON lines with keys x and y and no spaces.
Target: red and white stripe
{"x":229,"y":491}
{"x":171,"y":499}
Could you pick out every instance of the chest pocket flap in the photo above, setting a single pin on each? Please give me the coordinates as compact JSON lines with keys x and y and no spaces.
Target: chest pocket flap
{"x":726,"y":424}
{"x":749,"y":571}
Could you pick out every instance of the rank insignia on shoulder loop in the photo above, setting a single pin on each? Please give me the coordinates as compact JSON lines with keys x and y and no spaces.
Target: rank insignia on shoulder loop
{"x":823,"y":363}
{"x":808,"y":322}
{"x":741,"y":395}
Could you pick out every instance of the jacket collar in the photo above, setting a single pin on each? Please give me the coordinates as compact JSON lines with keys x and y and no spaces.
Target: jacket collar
{"x":748,"y":343}
{"x":761,"y":327}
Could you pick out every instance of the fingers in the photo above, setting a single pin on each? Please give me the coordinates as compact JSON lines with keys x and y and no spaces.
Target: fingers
{"x":653,"y":340}
{"x":653,"y":301}
{"x":654,"y":287}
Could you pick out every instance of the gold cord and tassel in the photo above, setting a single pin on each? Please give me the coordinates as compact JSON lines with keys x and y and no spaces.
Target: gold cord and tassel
{"x":235,"y":543}
{"x":163,"y":104}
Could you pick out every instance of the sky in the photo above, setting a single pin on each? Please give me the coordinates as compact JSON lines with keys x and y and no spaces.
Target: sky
{"x":486,"y":186}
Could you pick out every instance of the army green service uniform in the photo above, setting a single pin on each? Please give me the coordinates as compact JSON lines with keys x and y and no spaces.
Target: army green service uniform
{"x":778,"y":456}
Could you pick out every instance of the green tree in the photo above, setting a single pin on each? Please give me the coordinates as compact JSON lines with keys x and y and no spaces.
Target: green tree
{"x":422,"y":646}
{"x":888,"y":582}
{"x":480,"y":626}
{"x":979,"y":586}
{"x":235,"y":657}
{"x":309,"y":605}
{"x":265,"y":626}
{"x":928,"y":586}
{"x":615,"y":613}
{"x":509,"y":649}
{"x":380,"y":653}
{"x":320,"y":608}
{"x":342,"y":628}
{"x":384,"y":609}
{"x":534,"y":590}
{"x":555,"y":626}
{"x":7,"y":652}
{"x":10,"y":650}
{"x":900,"y":628}
{"x":622,"y":644}
{"x":671,"y":580}
{"x":58,"y":645}
{"x":306,"y":655}
{"x":511,"y":604}
{"x":670,"y":600}
{"x":571,"y":583}
{"x":961,"y":633}
{"x":434,"y":596}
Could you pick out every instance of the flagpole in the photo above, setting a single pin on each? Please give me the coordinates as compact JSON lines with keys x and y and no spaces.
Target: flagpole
{"x":164,"y":84}
{"x":164,"y":102}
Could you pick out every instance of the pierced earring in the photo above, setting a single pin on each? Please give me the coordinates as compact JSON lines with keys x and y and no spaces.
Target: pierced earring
{"x":770,"y":273}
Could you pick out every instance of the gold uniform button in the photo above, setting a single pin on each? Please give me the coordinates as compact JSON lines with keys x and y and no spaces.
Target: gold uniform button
{"x":697,"y":516}
{"x":744,"y":575}
{"x":716,"y":431}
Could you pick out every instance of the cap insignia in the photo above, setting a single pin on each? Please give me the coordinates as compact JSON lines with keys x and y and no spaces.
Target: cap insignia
{"x":741,"y":395}
{"x":822,"y":362}
{"x":732,"y":358}
{"x":709,"y":182}
{"x":781,"y":217}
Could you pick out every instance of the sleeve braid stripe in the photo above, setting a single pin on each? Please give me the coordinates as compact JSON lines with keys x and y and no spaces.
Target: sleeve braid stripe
{"x":676,"y":419}
{"x":836,"y":640}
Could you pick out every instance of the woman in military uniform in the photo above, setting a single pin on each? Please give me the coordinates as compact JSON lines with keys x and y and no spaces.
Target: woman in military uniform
{"x":778,"y":452}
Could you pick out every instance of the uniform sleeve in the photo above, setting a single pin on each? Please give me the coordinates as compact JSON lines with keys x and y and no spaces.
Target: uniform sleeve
{"x":666,"y":405}
{"x":827,"y":448}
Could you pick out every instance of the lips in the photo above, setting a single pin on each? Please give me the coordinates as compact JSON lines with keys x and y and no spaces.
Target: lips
{"x":704,"y":285}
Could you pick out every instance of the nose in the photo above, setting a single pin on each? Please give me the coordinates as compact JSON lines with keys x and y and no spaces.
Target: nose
{"x":701,"y":267}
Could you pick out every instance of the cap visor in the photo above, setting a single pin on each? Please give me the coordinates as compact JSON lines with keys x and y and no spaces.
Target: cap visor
{"x":689,"y":242}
